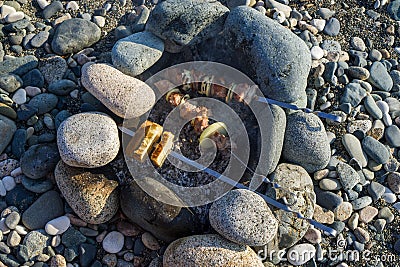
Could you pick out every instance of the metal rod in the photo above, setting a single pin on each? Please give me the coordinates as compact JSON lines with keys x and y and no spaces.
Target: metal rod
{"x":294,"y":107}
{"x":327,"y":230}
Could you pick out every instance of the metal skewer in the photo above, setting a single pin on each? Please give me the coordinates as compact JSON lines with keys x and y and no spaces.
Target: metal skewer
{"x":294,"y":107}
{"x":327,"y":230}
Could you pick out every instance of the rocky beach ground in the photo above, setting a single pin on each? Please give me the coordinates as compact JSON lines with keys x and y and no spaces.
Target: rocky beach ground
{"x":71,"y":71}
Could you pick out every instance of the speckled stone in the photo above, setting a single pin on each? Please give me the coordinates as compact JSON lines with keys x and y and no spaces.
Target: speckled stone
{"x":93,"y":197}
{"x":35,"y":243}
{"x":136,"y":53}
{"x":209,"y":250}
{"x":244,"y":218}
{"x":39,"y":160}
{"x":343,"y":211}
{"x":122,"y":94}
{"x":368,"y":213}
{"x":393,"y":180}
{"x":306,"y":142}
{"x":295,"y":179}
{"x":348,"y":176}
{"x":88,"y":140}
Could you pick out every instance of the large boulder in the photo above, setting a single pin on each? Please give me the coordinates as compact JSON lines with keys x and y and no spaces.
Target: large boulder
{"x":280,"y":59}
{"x":187,"y":22}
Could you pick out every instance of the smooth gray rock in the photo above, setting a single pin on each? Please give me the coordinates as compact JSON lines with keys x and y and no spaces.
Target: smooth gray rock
{"x":39,"y":160}
{"x":372,"y":107}
{"x":243,"y":217}
{"x":353,"y":147}
{"x":375,"y":150}
{"x":47,"y":207}
{"x":392,"y":135}
{"x":260,"y":39}
{"x":187,"y":22}
{"x":394,"y":9}
{"x":328,"y":200}
{"x":379,"y":77}
{"x":361,"y":202}
{"x":136,"y":53}
{"x":18,"y":65}
{"x":7,"y":130}
{"x":44,"y":102}
{"x":306,"y":142}
{"x":73,"y":35}
{"x":62,"y":87}
{"x":376,"y":190}
{"x":353,"y":94}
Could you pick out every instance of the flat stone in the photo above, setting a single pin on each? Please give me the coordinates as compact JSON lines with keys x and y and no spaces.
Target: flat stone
{"x":73,"y":35}
{"x":88,"y":140}
{"x":93,"y":197}
{"x":38,"y":186}
{"x":386,"y":213}
{"x":372,"y":107}
{"x":330,"y":184}
{"x":7,"y":111}
{"x":362,"y":235}
{"x":328,"y":200}
{"x":18,"y":65}
{"x":124,"y":95}
{"x":58,"y":225}
{"x":358,"y":73}
{"x":358,"y":43}
{"x":260,"y":38}
{"x":72,"y":238}
{"x":113,"y":242}
{"x":353,"y":147}
{"x":39,"y":160}
{"x":52,"y":9}
{"x":33,"y":79}
{"x":332,"y":27}
{"x":353,"y":94}
{"x":376,"y":190}
{"x":62,"y":87}
{"x":380,"y":77}
{"x":300,"y":254}
{"x":368,"y":213}
{"x":256,"y":226}
{"x":44,"y":102}
{"x":306,"y":142}
{"x":47,"y":207}
{"x":375,"y":150}
{"x":136,"y":53}
{"x":392,"y":135}
{"x":313,"y":235}
{"x":40,"y":39}
{"x":211,"y":249}
{"x":361,"y":203}
{"x":174,"y":20}
{"x":7,"y":130}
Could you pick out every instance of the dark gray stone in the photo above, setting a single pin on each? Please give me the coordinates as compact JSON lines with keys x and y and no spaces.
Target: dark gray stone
{"x":87,"y":254}
{"x":44,"y":102}
{"x":353,"y":94}
{"x":18,"y":143}
{"x":140,"y":21}
{"x":7,"y":130}
{"x":392,"y":135}
{"x":260,"y":39}
{"x":38,"y":186}
{"x":328,"y":200}
{"x":72,"y":238}
{"x":18,"y":65}
{"x":39,"y":160}
{"x":379,"y":77}
{"x":47,"y":207}
{"x":62,"y":87}
{"x":187,"y":22}
{"x":20,"y":198}
{"x":33,"y":78}
{"x":375,"y":150}
{"x":73,"y":35}
{"x":52,"y":9}
{"x":394,"y":9}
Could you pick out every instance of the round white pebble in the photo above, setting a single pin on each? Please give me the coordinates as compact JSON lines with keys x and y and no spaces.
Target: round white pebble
{"x":113,"y":242}
{"x":9,"y":183}
{"x":13,"y":17}
{"x":7,"y":10}
{"x":19,"y":97}
{"x":72,"y":5}
{"x":317,"y":52}
{"x":58,"y":225}
{"x":389,"y":198}
{"x":16,"y":172}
